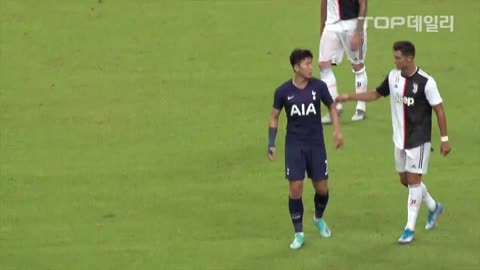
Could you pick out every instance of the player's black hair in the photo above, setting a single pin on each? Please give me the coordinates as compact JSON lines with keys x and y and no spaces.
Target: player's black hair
{"x":406,"y":47}
{"x":298,"y":55}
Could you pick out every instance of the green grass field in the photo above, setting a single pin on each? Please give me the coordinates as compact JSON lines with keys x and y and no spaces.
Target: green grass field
{"x":133,"y":136}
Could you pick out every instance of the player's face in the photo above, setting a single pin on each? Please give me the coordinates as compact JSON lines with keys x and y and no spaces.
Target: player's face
{"x":305,"y":68}
{"x":400,"y":60}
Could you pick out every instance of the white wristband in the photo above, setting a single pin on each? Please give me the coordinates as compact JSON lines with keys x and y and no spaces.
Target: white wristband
{"x":444,"y":139}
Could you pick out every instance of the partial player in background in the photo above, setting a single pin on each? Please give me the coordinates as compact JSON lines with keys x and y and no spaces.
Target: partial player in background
{"x":302,"y":97}
{"x":413,"y":95}
{"x":343,"y":29}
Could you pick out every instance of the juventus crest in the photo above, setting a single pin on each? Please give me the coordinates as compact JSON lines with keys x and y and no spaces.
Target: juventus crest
{"x":415,"y":88}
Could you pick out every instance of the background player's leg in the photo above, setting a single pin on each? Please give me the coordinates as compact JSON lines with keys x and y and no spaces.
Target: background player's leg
{"x":357,"y":58}
{"x":330,"y":51}
{"x":361,"y":82}
{"x":326,"y":73}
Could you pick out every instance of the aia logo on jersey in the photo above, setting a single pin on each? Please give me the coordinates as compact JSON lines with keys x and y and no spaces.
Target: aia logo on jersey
{"x":409,"y":101}
{"x":302,"y":110}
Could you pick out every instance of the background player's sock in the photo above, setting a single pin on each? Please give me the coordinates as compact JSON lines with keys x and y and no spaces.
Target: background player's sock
{"x":427,"y":199}
{"x":329,"y":78}
{"x":320,"y":204}
{"x":414,"y":202}
{"x":296,"y":213}
{"x":361,"y":82}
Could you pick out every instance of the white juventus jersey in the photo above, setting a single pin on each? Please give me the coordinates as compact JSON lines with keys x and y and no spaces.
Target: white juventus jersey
{"x":338,"y":10}
{"x":411,"y":100}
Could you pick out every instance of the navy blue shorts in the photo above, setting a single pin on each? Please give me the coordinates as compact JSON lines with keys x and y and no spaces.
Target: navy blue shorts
{"x":301,"y":158}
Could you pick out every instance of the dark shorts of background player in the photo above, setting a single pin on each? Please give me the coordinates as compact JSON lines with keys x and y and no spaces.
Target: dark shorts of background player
{"x":302,"y":157}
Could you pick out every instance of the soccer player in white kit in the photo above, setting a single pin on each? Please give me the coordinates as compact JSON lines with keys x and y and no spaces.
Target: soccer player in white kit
{"x":343,"y":29}
{"x":413,"y":96}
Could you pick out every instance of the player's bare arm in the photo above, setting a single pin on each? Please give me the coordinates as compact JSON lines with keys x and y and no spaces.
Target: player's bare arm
{"x":368,"y":96}
{"x":323,"y":15}
{"x":272,"y":132}
{"x":362,"y":13}
{"x":442,"y":124}
{"x":337,"y":134}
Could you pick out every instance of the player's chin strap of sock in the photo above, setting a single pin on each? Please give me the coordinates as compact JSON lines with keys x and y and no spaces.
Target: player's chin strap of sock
{"x":272,"y":134}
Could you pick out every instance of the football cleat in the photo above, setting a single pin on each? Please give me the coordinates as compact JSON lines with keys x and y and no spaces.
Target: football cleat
{"x":298,"y":241}
{"x":322,"y":227}
{"x":359,"y":115}
{"x":432,"y":217}
{"x":407,"y":237}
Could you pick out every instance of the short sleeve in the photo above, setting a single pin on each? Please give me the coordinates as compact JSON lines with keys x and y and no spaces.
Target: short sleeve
{"x":278,"y":100}
{"x":431,"y":92}
{"x":326,"y":97}
{"x":384,"y":88}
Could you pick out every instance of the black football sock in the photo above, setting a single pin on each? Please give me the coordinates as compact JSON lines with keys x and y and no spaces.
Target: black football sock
{"x":296,"y":213}
{"x":320,"y":204}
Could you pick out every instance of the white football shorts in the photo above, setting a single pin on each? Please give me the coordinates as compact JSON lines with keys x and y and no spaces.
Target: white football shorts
{"x":336,"y":40}
{"x":413,"y":160}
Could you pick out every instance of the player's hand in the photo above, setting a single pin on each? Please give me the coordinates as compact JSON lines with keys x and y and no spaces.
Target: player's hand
{"x":444,"y":148}
{"x":355,"y":41}
{"x":271,"y":152}
{"x":342,"y":98}
{"x":338,"y":139}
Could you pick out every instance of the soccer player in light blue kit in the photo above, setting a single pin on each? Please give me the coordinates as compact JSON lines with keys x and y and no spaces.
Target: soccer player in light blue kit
{"x":302,"y":97}
{"x":413,"y":96}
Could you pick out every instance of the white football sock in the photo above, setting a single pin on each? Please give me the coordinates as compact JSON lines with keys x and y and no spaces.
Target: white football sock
{"x":361,"y":82}
{"x":329,"y":78}
{"x":427,"y":199}
{"x":414,"y":203}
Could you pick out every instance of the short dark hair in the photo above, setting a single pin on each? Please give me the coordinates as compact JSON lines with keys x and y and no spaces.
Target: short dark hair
{"x":298,"y":55}
{"x":406,"y":47}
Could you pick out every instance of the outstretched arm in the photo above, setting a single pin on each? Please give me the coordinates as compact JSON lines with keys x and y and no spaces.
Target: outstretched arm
{"x":368,"y":96}
{"x":442,"y":124}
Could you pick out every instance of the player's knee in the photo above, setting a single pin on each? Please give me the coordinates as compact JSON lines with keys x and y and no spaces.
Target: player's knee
{"x":358,"y":67}
{"x":322,"y":191}
{"x":321,"y":187}
{"x":296,"y":189}
{"x":324,"y":65}
{"x":414,"y":178}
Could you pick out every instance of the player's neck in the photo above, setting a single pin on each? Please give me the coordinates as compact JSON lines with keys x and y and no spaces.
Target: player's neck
{"x":300,"y":82}
{"x":409,"y":71}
